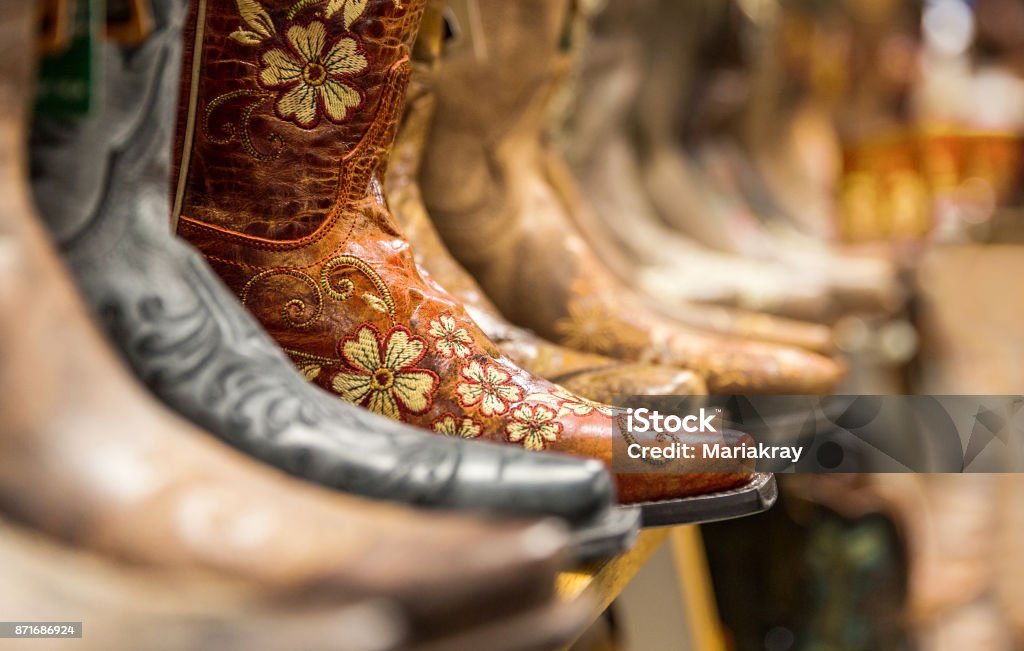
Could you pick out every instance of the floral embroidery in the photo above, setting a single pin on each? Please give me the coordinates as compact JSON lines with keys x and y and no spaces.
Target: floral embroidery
{"x":568,"y":402}
{"x":257,"y":20}
{"x":534,"y":426}
{"x":587,"y":328}
{"x":353,"y":9}
{"x":310,"y":370}
{"x":450,"y":340}
{"x":310,"y":75}
{"x":488,"y":386}
{"x":449,"y":425}
{"x":385,"y":376}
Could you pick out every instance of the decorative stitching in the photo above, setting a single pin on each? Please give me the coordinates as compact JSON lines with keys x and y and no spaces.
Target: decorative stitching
{"x":567,"y":402}
{"x":488,"y":386}
{"x":367,"y":270}
{"x":241,"y":132}
{"x":451,"y":425}
{"x":450,"y":341}
{"x":384,"y":376}
{"x":535,"y":426}
{"x":310,"y":75}
{"x":294,"y":305}
{"x":348,"y":185}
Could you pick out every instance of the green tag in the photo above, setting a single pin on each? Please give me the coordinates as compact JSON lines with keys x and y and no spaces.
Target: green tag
{"x":68,"y":80}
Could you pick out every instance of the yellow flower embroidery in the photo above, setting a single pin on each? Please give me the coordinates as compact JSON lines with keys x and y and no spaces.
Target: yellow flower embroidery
{"x":310,"y":370}
{"x":384,"y":376}
{"x":450,"y":340}
{"x":449,"y":425}
{"x":310,"y":75}
{"x":488,"y":386}
{"x":534,"y":427}
{"x":578,"y":405}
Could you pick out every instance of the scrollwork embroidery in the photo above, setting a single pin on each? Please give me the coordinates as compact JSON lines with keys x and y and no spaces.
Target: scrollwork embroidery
{"x":298,"y":313}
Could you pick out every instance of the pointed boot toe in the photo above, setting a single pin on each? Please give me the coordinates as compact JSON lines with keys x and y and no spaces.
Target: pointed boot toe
{"x":297,"y":225}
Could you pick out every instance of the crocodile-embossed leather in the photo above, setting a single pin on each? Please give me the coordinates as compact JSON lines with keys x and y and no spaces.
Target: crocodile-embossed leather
{"x":187,"y":337}
{"x":488,"y":188}
{"x":90,"y":457}
{"x":338,"y":286}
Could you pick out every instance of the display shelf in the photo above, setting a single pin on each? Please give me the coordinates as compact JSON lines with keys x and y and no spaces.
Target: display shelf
{"x":602,"y":581}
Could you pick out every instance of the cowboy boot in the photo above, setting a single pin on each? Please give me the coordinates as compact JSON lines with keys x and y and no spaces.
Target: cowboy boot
{"x":501,"y":218}
{"x":121,"y":606}
{"x":714,"y":211}
{"x":664,"y":263}
{"x":859,"y":283}
{"x":188,"y":338}
{"x":280,"y":188}
{"x":90,"y":458}
{"x":146,"y":487}
{"x":599,"y":147}
{"x":592,"y":376}
{"x":146,"y":609}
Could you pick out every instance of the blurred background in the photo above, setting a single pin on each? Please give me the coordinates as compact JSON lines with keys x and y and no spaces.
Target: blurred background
{"x":893,"y":127}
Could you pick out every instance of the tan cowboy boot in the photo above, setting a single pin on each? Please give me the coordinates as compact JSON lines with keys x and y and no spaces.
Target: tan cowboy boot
{"x":602,"y":154}
{"x":122,"y":606}
{"x":713,"y":208}
{"x":90,"y":457}
{"x":487,"y":190}
{"x":291,"y":116}
{"x":793,"y":143}
{"x":619,"y":196}
{"x":591,"y":376}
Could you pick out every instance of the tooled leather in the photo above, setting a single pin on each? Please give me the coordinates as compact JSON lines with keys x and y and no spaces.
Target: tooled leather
{"x":349,"y":305}
{"x":188,"y":338}
{"x":592,"y":376}
{"x":512,"y":230}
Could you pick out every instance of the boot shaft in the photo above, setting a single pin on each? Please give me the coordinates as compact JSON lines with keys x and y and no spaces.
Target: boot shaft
{"x":289,"y":109}
{"x":500,"y":67}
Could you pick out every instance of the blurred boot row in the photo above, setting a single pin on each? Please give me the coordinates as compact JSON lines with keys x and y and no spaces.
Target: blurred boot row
{"x":340,"y":282}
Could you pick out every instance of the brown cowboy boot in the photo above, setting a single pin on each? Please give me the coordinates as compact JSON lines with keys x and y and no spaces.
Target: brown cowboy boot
{"x":90,"y":457}
{"x":486,"y":187}
{"x":291,"y":114}
{"x":718,"y":210}
{"x":592,"y":376}
{"x":123,"y":606}
{"x":128,"y":607}
{"x":608,"y":78}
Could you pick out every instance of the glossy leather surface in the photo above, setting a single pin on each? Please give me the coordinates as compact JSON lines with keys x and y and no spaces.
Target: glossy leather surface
{"x":91,"y":458}
{"x":341,"y":291}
